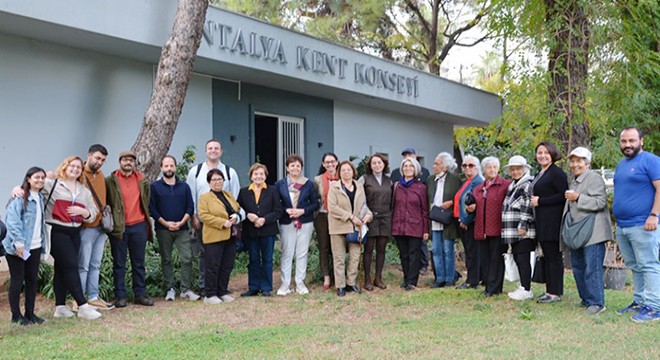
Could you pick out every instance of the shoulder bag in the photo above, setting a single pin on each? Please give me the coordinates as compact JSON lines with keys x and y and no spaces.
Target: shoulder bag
{"x":107,"y":222}
{"x":576,"y":234}
{"x":440,"y":214}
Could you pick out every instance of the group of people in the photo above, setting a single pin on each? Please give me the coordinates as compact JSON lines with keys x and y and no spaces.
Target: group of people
{"x":491,"y":215}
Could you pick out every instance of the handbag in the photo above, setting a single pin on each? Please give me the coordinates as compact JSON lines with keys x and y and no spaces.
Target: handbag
{"x":539,"y":271}
{"x":355,"y":238}
{"x":441,"y":215}
{"x":576,"y":234}
{"x":107,"y":221}
{"x":510,"y":268}
{"x":237,"y":232}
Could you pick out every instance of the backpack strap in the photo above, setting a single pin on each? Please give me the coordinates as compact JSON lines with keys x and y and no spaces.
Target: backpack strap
{"x":199,"y":168}
{"x":227,"y":170}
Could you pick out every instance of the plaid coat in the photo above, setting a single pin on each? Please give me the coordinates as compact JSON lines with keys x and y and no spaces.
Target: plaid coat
{"x":517,"y":212}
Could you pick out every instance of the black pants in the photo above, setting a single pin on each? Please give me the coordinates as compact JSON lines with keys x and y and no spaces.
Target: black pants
{"x":219,"y":261}
{"x":471,"y":255}
{"x":492,"y":262}
{"x":521,"y":254}
{"x":65,"y":244}
{"x":23,"y":271}
{"x":554,"y":267}
{"x":409,"y":253}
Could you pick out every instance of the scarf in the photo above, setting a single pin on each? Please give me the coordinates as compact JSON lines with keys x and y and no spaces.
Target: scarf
{"x":294,"y":189}
{"x":406,"y":184}
{"x":325,"y":181}
{"x":457,"y":197}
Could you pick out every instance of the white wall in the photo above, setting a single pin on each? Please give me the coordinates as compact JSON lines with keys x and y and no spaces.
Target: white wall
{"x":56,"y":101}
{"x":363,"y":131}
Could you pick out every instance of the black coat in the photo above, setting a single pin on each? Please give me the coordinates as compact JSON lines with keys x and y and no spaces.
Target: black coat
{"x":550,"y":189}
{"x":269,"y":208}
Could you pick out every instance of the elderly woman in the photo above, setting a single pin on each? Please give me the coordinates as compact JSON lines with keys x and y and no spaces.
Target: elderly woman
{"x":378,"y":189}
{"x":518,"y":224}
{"x":442,"y":187}
{"x":489,"y":197}
{"x":24,"y":243}
{"x":587,"y":197}
{"x":263,"y":208}
{"x":69,"y":203}
{"x":327,"y":175}
{"x":548,"y":188}
{"x":347,"y":212}
{"x":299,"y":202}
{"x":410,"y":220}
{"x":472,"y":170}
{"x":219,"y":211}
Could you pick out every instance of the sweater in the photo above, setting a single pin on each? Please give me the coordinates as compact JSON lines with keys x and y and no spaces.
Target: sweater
{"x":170,"y":202}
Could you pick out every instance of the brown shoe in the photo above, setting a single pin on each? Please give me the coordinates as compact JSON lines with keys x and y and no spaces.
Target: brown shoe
{"x":368,"y":284}
{"x":379,"y":283}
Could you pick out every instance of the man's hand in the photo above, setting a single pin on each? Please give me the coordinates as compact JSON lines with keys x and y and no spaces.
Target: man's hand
{"x":651,"y":223}
{"x":195,"y":222}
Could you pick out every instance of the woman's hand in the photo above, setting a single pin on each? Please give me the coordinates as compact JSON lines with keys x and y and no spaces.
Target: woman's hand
{"x":447,"y":204}
{"x":233,"y":218}
{"x":522,"y":232}
{"x":471,"y":208}
{"x":463,"y":226}
{"x":78,"y":211}
{"x":259,"y":222}
{"x":356,"y":221}
{"x":571,"y":195}
{"x":366,"y":219}
{"x":425,"y":236}
{"x":252,"y":217}
{"x":295,"y":213}
{"x":19,"y":251}
{"x":535,"y":201}
{"x":227,"y":224}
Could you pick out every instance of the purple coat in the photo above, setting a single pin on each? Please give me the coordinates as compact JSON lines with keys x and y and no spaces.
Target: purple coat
{"x":410,"y":216}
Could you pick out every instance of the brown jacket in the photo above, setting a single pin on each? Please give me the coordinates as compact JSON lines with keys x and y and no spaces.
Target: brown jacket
{"x":339,"y":208}
{"x":213,"y":214}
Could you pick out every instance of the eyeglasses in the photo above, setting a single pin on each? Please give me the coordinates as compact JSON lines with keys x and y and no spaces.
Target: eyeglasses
{"x":71,"y":166}
{"x":217,"y":180}
{"x":330,"y":162}
{"x":468,"y":166}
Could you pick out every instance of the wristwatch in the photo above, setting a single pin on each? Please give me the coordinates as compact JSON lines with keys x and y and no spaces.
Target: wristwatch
{"x":655,"y":214}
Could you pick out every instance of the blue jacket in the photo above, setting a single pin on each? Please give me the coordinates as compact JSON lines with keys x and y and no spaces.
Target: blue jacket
{"x":307,"y":200}
{"x":171,"y":202}
{"x":463,"y":215}
{"x":20,"y":224}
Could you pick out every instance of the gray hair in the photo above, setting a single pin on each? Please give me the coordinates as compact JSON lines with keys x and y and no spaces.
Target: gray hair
{"x":415,"y":163}
{"x":447,"y":161}
{"x":476,"y":162}
{"x":490,"y":160}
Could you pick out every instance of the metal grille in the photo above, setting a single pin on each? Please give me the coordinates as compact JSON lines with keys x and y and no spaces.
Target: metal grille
{"x":290,"y":141}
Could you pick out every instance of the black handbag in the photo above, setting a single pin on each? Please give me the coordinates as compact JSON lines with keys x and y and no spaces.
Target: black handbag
{"x":576,"y":234}
{"x":441,"y":215}
{"x":539,"y":271}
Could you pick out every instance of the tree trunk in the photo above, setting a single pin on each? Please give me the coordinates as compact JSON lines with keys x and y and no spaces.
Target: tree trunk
{"x":568,"y":64}
{"x":175,"y":69}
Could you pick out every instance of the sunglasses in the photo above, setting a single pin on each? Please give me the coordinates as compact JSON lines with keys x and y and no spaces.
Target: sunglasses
{"x":468,"y":166}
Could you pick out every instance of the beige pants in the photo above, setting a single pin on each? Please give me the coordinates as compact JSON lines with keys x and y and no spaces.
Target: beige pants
{"x":344,"y":276}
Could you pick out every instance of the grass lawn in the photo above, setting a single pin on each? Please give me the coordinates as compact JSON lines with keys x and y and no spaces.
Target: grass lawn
{"x":392,"y":323}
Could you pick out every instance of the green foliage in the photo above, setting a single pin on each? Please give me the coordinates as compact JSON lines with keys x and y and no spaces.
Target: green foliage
{"x":187,"y":161}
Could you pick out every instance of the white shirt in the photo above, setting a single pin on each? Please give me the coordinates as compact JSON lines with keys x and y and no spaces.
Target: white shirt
{"x":36,"y":234}
{"x":437,"y":199}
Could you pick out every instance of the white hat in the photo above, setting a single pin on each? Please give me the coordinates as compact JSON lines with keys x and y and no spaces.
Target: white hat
{"x":517,"y":160}
{"x":581,"y":152}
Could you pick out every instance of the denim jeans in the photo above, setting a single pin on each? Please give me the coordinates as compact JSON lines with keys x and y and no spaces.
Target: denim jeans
{"x":260,"y":269}
{"x":132,"y":243}
{"x":639,"y":249}
{"x":424,"y":254}
{"x":92,"y":243}
{"x":166,"y":241}
{"x":443,"y":258}
{"x":587,"y":263}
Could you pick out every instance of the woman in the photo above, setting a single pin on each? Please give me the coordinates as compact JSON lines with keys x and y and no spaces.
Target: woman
{"x":441,"y":190}
{"x":518,"y":224}
{"x":69,"y":203}
{"x":548,"y":188}
{"x":327,"y":175}
{"x":219,"y":211}
{"x":24,"y":243}
{"x":472,"y":170}
{"x":299,"y":202}
{"x":489,"y":197}
{"x":263,"y":208}
{"x":587,"y":195}
{"x":347,"y":212}
{"x":378,"y":189}
{"x":410,"y":220}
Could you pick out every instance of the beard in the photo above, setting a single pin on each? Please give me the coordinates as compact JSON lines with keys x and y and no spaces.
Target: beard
{"x":630,"y":155}
{"x":168,"y":174}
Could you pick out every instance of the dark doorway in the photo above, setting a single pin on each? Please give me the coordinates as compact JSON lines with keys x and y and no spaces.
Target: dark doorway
{"x":265,"y":144}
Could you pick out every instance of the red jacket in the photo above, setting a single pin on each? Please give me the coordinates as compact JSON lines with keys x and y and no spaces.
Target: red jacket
{"x":488,"y":221}
{"x":410,"y":216}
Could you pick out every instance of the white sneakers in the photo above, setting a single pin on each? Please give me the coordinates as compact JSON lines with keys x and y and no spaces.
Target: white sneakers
{"x":88,"y":312}
{"x":227,"y":298}
{"x":284,"y":290}
{"x":301,"y":289}
{"x":521,"y":294}
{"x":171,"y":294}
{"x":213,"y":300}
{"x":190,"y":295}
{"x":63,"y":311}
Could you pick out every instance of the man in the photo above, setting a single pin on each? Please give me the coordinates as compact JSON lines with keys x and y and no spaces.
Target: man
{"x":171,"y":207}
{"x":198,"y":185}
{"x":128,"y":195}
{"x":92,"y":236}
{"x":396,"y":176}
{"x":636,"y":210}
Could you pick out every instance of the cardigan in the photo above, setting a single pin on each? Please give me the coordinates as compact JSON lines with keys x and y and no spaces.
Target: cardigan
{"x":339,"y":208}
{"x":307,"y":200}
{"x":593,"y":198}
{"x":550,"y":189}
{"x":451,"y":185}
{"x":269,"y":208}
{"x":213,"y":214}
{"x":410,"y":214}
{"x":488,"y":220}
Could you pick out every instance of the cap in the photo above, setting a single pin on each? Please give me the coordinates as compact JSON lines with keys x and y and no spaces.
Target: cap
{"x":581,"y":152}
{"x":408,"y":150}
{"x":517,"y":160}
{"x":127,"y":153}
